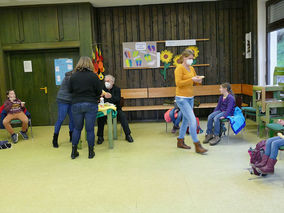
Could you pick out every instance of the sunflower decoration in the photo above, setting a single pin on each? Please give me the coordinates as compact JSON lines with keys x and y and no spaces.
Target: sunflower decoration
{"x":195,"y":50}
{"x":166,"y":58}
{"x":176,"y":60}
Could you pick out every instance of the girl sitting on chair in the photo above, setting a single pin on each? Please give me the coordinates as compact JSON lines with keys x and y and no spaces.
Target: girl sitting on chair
{"x":14,"y":108}
{"x":224,"y":109}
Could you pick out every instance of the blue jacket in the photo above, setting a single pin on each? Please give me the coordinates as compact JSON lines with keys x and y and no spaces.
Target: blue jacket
{"x":238,"y":121}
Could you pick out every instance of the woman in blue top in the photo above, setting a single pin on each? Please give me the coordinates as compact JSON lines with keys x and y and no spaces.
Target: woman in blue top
{"x":225,"y":108}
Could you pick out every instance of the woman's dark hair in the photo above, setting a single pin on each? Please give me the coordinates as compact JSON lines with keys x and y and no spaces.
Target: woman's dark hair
{"x":229,"y":88}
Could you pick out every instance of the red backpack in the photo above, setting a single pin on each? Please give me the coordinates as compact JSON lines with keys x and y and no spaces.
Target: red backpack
{"x":198,"y":128}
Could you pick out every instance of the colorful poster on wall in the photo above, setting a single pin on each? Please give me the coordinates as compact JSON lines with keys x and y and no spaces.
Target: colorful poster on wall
{"x":140,"y":55}
{"x":62,"y":66}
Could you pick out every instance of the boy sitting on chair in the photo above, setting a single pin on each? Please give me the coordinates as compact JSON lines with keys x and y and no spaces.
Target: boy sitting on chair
{"x":225,"y":108}
{"x":14,"y":108}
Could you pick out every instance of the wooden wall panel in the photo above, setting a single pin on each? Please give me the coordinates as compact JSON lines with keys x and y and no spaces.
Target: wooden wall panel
{"x":70,"y":23}
{"x":9,"y":26}
{"x":48,"y":22}
{"x":31,"y":25}
{"x":224,"y":23}
{"x":43,"y":27}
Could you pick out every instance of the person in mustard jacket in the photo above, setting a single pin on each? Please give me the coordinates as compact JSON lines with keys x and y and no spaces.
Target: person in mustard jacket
{"x":185,"y":79}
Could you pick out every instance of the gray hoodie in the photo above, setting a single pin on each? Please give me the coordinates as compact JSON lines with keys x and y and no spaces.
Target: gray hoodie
{"x":63,"y":95}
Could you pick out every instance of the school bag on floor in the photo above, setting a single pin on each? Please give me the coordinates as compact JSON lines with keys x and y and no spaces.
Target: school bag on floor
{"x":256,"y":156}
{"x":168,"y":119}
{"x":198,"y":128}
{"x":5,"y":145}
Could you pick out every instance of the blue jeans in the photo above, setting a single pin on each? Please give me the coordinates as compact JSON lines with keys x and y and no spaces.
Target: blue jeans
{"x":63,"y":110}
{"x":177,"y":120}
{"x":214,"y":117}
{"x":88,"y":112}
{"x":272,"y":146}
{"x":188,"y":118}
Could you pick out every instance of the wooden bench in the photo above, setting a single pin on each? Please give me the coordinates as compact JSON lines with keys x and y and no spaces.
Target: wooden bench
{"x":169,"y":92}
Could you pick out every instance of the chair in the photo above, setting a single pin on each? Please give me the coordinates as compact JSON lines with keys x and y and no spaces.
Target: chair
{"x":274,"y":128}
{"x":249,"y":111}
{"x":16,"y":121}
{"x":223,"y":128}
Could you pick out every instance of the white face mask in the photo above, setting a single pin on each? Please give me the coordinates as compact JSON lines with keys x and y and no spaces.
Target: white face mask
{"x":108,"y":85}
{"x":189,"y":61}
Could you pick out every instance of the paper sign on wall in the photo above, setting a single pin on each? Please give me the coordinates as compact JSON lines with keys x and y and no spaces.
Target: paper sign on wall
{"x":62,"y":66}
{"x":176,"y":43}
{"x":248,"y":45}
{"x":28,"y":66}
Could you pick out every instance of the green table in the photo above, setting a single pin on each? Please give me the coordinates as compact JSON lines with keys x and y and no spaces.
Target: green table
{"x":266,"y":117}
{"x":276,"y":89}
{"x":263,"y":105}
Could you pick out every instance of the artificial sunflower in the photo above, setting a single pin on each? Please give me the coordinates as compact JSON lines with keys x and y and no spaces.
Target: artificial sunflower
{"x":166,"y":56}
{"x":176,"y":58}
{"x":195,"y":50}
{"x":101,"y":76}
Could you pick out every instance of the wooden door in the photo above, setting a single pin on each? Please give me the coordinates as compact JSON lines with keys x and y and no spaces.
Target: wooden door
{"x":52,"y":88}
{"x":27,"y":85}
{"x":43,"y":107}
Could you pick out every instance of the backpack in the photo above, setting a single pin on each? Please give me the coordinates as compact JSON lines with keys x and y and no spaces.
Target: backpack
{"x":198,"y":128}
{"x":256,"y":155}
{"x":168,"y":118}
{"x":5,"y":145}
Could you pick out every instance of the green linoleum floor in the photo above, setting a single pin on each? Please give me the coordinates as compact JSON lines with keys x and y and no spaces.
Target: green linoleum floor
{"x":150,"y":175}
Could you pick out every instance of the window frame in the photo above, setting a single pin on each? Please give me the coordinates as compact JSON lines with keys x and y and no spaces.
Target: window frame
{"x":277,"y":25}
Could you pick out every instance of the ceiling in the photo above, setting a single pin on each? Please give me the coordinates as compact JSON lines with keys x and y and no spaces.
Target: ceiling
{"x":95,"y":3}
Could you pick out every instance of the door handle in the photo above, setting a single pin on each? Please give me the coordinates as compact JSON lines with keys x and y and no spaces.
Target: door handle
{"x":45,"y":89}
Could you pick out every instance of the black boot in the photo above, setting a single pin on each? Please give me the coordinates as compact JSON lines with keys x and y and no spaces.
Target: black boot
{"x":91,"y":152}
{"x":70,"y":134}
{"x":74,"y":152}
{"x":55,"y":140}
{"x":100,"y":140}
{"x":129,"y":138}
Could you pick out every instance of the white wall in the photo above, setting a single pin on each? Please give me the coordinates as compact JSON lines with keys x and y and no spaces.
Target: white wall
{"x":261,"y":46}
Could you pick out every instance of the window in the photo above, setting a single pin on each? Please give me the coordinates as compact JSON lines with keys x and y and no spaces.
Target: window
{"x":275,"y":52}
{"x":275,"y":37}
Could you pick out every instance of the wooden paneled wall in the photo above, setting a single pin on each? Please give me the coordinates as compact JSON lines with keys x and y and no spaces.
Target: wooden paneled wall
{"x":223,"y":22}
{"x":44,"y":27}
